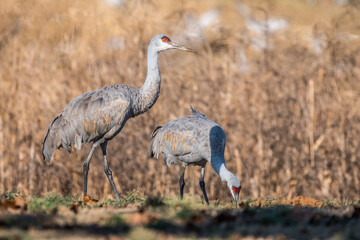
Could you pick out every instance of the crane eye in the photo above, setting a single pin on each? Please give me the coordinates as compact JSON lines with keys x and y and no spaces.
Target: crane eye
{"x":236,"y":189}
{"x":166,"y":39}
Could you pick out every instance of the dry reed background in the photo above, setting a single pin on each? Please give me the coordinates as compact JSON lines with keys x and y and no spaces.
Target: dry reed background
{"x":292,"y":114}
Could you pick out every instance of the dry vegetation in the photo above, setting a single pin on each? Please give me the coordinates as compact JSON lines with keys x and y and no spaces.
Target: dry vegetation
{"x":292,"y":118}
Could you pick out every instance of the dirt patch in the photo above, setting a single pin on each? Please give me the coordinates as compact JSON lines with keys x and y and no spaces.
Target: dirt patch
{"x":303,"y":202}
{"x":299,"y":201}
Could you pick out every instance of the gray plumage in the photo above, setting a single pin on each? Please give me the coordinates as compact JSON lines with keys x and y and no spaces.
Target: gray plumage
{"x":92,"y":116}
{"x":193,"y":140}
{"x":99,"y":115}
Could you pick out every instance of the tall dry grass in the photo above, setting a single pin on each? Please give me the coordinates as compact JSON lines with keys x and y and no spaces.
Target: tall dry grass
{"x":292,"y":116}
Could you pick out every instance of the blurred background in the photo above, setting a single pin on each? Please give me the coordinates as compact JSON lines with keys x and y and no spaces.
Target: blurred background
{"x":282,"y":78}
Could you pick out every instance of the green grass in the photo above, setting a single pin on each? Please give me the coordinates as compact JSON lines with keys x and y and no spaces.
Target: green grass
{"x":133,"y":197}
{"x":50,"y":202}
{"x":180,"y":207}
{"x":10,"y":195}
{"x":335,"y":203}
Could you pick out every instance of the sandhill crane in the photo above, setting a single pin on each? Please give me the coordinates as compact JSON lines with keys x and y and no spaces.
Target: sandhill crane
{"x":194,"y":140}
{"x":99,"y":115}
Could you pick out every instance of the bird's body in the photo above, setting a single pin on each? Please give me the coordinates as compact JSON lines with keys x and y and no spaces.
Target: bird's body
{"x":193,"y":140}
{"x":185,"y":140}
{"x":99,"y":115}
{"x":96,"y":115}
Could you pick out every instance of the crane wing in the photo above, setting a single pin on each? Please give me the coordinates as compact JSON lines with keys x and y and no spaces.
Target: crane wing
{"x":177,"y":143}
{"x":171,"y":142}
{"x":92,"y":115}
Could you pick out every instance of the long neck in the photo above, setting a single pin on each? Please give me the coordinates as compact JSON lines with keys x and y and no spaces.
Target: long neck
{"x":219,"y":166}
{"x":150,"y":91}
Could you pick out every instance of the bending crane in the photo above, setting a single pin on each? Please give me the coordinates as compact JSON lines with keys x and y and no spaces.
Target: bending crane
{"x":194,"y":140}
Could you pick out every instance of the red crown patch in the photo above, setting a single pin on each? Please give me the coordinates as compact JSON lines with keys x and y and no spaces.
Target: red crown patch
{"x":236,"y":189}
{"x":166,"y":39}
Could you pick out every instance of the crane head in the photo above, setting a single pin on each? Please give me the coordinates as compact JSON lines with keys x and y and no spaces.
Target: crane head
{"x":235,"y":187}
{"x":162,"y":43}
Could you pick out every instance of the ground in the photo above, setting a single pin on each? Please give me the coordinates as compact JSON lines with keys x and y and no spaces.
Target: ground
{"x":140,"y":217}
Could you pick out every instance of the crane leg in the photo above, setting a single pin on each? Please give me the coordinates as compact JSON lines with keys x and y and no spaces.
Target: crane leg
{"x":182,"y":182}
{"x":202,"y":184}
{"x":108,"y":172}
{"x":86,"y":167}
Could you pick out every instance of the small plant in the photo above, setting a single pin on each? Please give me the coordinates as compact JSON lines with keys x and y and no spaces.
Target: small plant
{"x":332,"y":203}
{"x":133,"y":197}
{"x":49,"y":203}
{"x":356,"y":203}
{"x":10,"y":195}
{"x":109,"y":203}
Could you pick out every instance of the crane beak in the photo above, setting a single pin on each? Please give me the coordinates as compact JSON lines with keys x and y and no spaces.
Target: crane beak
{"x":237,"y":200}
{"x":181,"y":47}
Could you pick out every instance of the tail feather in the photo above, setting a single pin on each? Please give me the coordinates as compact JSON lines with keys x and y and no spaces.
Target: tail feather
{"x":154,"y":149}
{"x":196,"y":113}
{"x":67,"y":135}
{"x":52,"y":139}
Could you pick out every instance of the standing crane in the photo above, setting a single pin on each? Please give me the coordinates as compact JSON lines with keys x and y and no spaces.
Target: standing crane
{"x":194,"y":140}
{"x":99,"y":115}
